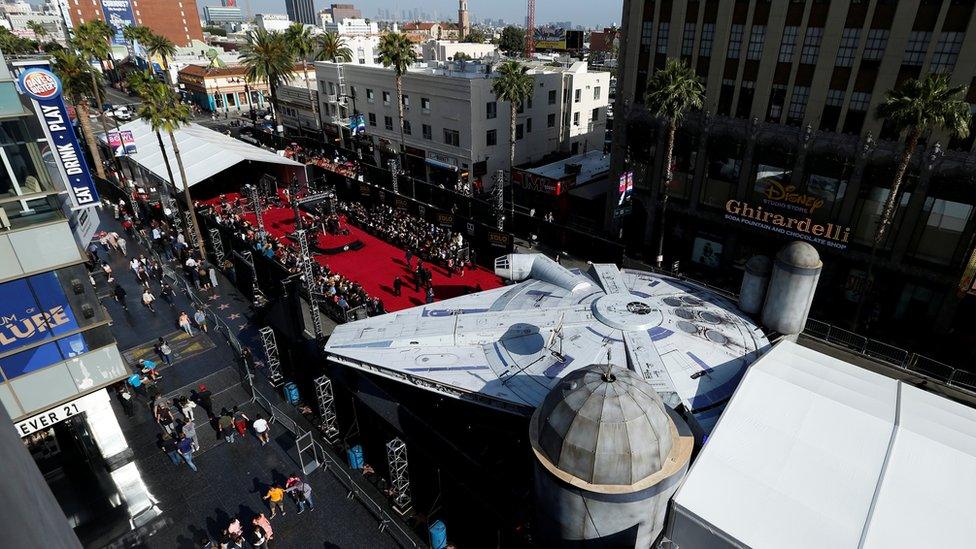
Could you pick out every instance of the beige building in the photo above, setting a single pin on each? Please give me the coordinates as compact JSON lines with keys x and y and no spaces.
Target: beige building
{"x":455,"y":126}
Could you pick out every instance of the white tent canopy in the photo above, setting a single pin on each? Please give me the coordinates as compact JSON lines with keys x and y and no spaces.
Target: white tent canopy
{"x":205,"y":152}
{"x":814,"y":452}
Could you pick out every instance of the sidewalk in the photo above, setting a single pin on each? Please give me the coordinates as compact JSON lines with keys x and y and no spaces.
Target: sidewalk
{"x":231,"y":478}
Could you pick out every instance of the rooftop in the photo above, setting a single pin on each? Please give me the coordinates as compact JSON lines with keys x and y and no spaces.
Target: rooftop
{"x":593,"y":165}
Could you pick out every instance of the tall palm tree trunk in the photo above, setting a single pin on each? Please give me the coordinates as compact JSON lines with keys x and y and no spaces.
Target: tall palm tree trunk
{"x":273,"y":91}
{"x":101,"y":117}
{"x":665,"y":188}
{"x":315,"y":104}
{"x":86,"y":130}
{"x":169,"y":172}
{"x":887,"y":215}
{"x":186,"y":196}
{"x":399,"y":92}
{"x":511,"y":166}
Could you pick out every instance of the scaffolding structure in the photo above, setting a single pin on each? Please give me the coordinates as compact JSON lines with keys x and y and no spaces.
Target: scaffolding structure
{"x":271,"y":354}
{"x":326,"y":400}
{"x":193,"y":234}
{"x":396,"y":456}
{"x":217,"y":244}
{"x":248,"y":258}
{"x":308,"y":278}
{"x":498,"y":193}
{"x":255,"y":196}
{"x":394,"y":176}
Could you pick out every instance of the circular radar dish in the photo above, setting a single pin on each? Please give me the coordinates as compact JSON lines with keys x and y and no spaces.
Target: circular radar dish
{"x":626,"y":312}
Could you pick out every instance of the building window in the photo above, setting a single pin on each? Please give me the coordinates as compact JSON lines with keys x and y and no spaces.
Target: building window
{"x":811,"y":46}
{"x":735,"y":41}
{"x":848,"y":47}
{"x":918,"y":44}
{"x":452,"y":137}
{"x":576,"y":119}
{"x":552,"y":97}
{"x":528,"y":125}
{"x":939,"y":238}
{"x":874,"y":46}
{"x":386,"y":98}
{"x":406,"y":128}
{"x":706,"y":40}
{"x":860,"y":101}
{"x":388,"y":122}
{"x":777,"y":97}
{"x":688,"y":39}
{"x":946,"y":52}
{"x":372,"y":119}
{"x":788,"y":46}
{"x":491,"y":138}
{"x":406,"y":102}
{"x":551,"y":120}
{"x":491,"y":110}
{"x":756,"y":41}
{"x":647,"y":30}
{"x":798,"y":105}
{"x":428,"y":134}
{"x":868,"y":213}
{"x":370,"y":96}
{"x":519,"y":132}
{"x":425,"y":104}
{"x":596,"y":93}
{"x":596,"y":114}
{"x":663,"y":30}
{"x":577,"y":96}
{"x":835,"y":98}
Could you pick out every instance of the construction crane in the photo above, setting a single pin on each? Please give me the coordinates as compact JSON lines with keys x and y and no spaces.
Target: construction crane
{"x":530,"y":29}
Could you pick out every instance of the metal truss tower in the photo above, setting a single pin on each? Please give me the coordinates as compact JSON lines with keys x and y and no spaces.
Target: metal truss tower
{"x":530,"y":29}
{"x":326,"y":401}
{"x":217,"y":244}
{"x":252,"y":191}
{"x":396,"y":455}
{"x":271,"y":353}
{"x":308,"y":277}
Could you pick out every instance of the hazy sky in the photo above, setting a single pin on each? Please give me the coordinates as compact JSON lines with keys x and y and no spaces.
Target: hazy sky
{"x":580,"y":12}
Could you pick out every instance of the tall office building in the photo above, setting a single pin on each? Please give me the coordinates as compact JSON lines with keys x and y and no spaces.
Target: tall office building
{"x":177,"y":20}
{"x":301,"y":11}
{"x":344,"y":11}
{"x":791,"y":94}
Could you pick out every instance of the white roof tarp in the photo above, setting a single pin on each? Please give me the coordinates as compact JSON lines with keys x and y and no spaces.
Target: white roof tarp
{"x":205,"y":152}
{"x":814,"y":452}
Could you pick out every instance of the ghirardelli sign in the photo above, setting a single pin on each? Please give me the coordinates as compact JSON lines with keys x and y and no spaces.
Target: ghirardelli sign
{"x":804,"y":228}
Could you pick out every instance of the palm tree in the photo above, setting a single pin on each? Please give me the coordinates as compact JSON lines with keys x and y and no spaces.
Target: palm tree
{"x":75,"y":74}
{"x":268,"y":59}
{"x":91,"y":42}
{"x":39,"y":32}
{"x":302,"y":44}
{"x":396,"y":52}
{"x":332,"y":47}
{"x":161,"y":47}
{"x":513,"y":84}
{"x":163,"y":111}
{"x":672,"y":92}
{"x":137,"y":34}
{"x":915,"y":107}
{"x":142,"y":83}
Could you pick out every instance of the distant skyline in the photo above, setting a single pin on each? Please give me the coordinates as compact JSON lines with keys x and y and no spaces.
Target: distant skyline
{"x":590,"y":14}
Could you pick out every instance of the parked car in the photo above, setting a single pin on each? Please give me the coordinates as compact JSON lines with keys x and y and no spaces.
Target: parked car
{"x":123,"y":113}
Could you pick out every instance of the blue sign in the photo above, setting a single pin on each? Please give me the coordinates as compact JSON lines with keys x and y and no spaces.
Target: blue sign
{"x":45,"y":88}
{"x":118,"y":14}
{"x":33,"y":309}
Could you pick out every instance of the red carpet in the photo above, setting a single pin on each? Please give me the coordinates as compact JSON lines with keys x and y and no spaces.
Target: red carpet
{"x":378,"y":263}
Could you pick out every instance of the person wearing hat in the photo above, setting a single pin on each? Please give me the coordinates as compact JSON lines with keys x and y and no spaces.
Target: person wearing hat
{"x":205,"y":399}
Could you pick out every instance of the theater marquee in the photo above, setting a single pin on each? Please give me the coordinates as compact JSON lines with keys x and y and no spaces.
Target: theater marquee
{"x":804,"y":228}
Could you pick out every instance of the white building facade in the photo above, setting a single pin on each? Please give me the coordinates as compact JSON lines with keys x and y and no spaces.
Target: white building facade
{"x":272,"y":22}
{"x":351,"y":27}
{"x":455,"y":128}
{"x":444,"y":50}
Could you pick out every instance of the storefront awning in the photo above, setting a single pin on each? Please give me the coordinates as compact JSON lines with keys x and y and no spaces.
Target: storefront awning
{"x":205,"y":152}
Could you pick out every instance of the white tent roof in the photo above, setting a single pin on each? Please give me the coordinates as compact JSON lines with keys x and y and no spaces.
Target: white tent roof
{"x":205,"y":152}
{"x":815,"y":452}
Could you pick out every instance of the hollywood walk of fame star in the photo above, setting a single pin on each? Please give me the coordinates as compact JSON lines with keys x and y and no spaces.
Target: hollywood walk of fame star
{"x":234,"y":316}
{"x":223,"y":306}
{"x":242,"y":327}
{"x":214,"y":297}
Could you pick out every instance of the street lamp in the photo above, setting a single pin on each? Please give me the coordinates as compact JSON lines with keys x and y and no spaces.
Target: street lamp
{"x":247,"y":93}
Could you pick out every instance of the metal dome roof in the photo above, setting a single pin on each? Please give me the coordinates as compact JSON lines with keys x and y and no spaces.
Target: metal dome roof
{"x":604,"y":426}
{"x":800,"y":254}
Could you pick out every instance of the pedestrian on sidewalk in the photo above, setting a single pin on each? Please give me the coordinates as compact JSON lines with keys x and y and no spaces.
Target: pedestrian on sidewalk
{"x":119,"y":292}
{"x":226,"y":425}
{"x":148,"y":299}
{"x":276,"y":500}
{"x":205,"y":399}
{"x":125,"y":397}
{"x":184,"y":322}
{"x":213,"y":276}
{"x":164,"y":351}
{"x":186,"y":408}
{"x":258,"y":538}
{"x":201,"y":319}
{"x":164,"y":417}
{"x":189,"y":430}
{"x":122,"y":246}
{"x":235,"y":532}
{"x":303,"y":495}
{"x":240,"y":422}
{"x":166,"y":292}
{"x":186,"y":450}
{"x":261,"y":429}
{"x":148,"y":369}
{"x":265,"y":524}
{"x":171,"y":447}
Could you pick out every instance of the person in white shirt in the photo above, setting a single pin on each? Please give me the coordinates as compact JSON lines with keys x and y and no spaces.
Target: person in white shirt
{"x":261,"y":428}
{"x":148,"y":299}
{"x":134,"y":265}
{"x":191,"y":263}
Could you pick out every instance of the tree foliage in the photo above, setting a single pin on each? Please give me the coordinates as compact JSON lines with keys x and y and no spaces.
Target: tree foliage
{"x":512,"y":40}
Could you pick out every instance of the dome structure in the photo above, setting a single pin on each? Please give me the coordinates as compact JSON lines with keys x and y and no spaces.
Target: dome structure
{"x":604,"y":425}
{"x":800,"y":254}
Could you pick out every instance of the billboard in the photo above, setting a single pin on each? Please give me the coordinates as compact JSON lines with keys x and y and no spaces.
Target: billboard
{"x":123,"y":143}
{"x":32,"y":310}
{"x":118,"y":14}
{"x":549,"y":38}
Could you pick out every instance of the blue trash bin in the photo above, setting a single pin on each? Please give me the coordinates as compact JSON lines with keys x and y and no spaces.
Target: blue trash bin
{"x":438,"y":535}
{"x":355,"y":456}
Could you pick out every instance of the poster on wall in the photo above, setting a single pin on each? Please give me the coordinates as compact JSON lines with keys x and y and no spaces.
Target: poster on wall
{"x":707,"y":252}
{"x":26,"y":319}
{"x":123,"y":143}
{"x":549,"y":38}
{"x":118,"y":14}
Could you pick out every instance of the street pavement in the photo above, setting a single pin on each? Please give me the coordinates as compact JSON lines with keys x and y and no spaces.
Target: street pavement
{"x":231,"y":478}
